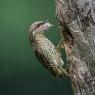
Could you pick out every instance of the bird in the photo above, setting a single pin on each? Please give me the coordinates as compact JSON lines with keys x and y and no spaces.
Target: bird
{"x":45,"y":51}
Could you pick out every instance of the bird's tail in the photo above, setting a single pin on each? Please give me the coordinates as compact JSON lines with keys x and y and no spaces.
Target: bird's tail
{"x":64,"y":71}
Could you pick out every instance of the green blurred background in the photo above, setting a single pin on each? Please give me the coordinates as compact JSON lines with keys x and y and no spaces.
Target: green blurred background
{"x":20,"y":71}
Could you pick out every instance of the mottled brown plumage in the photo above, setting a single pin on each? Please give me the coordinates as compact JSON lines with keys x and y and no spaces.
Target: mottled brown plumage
{"x":45,"y":50}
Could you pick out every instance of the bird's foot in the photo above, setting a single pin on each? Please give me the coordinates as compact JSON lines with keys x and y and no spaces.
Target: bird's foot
{"x":65,"y":73}
{"x":60,"y":46}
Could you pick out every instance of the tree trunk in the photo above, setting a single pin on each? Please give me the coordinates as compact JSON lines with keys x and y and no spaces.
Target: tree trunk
{"x":76,"y":20}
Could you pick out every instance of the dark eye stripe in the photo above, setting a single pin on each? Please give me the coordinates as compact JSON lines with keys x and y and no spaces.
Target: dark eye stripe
{"x":38,"y":25}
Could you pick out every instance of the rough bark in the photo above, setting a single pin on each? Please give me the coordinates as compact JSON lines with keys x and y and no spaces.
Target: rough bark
{"x":76,"y":20}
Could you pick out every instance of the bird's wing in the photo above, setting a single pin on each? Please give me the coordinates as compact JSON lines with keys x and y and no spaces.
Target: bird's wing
{"x":42,"y":58}
{"x":45,"y":61}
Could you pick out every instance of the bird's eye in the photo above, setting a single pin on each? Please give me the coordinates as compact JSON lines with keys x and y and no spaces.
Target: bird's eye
{"x":38,"y":25}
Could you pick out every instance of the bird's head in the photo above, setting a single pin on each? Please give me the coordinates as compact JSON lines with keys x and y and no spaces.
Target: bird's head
{"x":39,"y":27}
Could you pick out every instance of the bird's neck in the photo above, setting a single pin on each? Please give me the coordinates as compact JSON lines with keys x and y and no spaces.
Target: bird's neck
{"x":39,"y":36}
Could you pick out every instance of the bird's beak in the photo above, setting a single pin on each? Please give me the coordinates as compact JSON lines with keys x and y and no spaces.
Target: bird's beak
{"x":48,"y":24}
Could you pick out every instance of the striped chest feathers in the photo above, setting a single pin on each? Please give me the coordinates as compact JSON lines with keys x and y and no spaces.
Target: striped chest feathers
{"x":45,"y":45}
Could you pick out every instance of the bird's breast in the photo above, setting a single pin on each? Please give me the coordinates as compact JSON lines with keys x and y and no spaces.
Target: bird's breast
{"x":46,"y":46}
